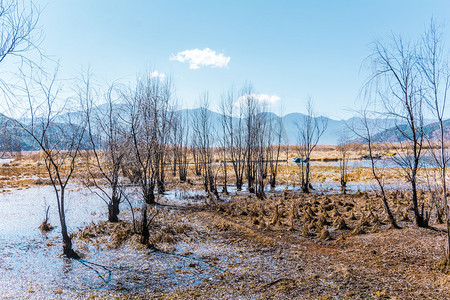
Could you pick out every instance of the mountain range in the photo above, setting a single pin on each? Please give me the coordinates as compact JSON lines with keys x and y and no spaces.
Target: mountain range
{"x":14,"y":138}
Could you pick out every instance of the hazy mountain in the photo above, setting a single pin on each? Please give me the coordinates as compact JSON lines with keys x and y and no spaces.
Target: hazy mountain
{"x":335,"y":128}
{"x":394,"y":133}
{"x":14,"y":137}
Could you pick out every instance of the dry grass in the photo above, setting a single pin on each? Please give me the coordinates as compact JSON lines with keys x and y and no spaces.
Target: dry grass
{"x":289,"y":245}
{"x":312,"y":248}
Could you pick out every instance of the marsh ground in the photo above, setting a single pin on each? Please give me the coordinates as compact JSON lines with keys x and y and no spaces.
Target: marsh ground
{"x":319,"y":246}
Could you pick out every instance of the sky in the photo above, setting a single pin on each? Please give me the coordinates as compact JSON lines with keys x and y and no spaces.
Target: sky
{"x":287,"y":50}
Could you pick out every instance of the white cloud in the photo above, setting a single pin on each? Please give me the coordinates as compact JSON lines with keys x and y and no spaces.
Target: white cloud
{"x":261,"y":98}
{"x":202,"y":58}
{"x":156,"y":74}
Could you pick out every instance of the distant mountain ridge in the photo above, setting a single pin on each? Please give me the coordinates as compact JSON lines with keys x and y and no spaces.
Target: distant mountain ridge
{"x":394,"y":133}
{"x":335,"y":128}
{"x":334,"y":131}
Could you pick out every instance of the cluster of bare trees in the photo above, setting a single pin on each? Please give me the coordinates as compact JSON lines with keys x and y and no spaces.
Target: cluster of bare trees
{"x":252,"y":138}
{"x":129,"y":139}
{"x":137,"y":135}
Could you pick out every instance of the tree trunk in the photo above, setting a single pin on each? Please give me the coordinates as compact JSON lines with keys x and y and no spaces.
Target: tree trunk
{"x":149,"y":194}
{"x":145,"y":234}
{"x":388,"y":211}
{"x":67,"y":244}
{"x":113,"y":209}
{"x":239,"y":183}
{"x":67,"y":241}
{"x":225,"y":179}
{"x":272,"y":179}
{"x":420,"y":221}
{"x":305,"y":183}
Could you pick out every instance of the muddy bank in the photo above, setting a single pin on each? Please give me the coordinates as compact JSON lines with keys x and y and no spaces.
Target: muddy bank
{"x":239,"y":248}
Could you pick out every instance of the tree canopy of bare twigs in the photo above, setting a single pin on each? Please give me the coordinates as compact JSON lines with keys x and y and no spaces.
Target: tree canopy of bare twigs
{"x":364,"y":129}
{"x":396,"y":83}
{"x":107,"y":151}
{"x":434,"y":68}
{"x":59,"y":136}
{"x":19,"y":36}
{"x":203,"y":142}
{"x":150,"y":109}
{"x":309,"y":133}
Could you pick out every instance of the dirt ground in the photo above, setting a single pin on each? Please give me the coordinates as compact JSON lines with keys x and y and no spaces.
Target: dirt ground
{"x":253,"y":249}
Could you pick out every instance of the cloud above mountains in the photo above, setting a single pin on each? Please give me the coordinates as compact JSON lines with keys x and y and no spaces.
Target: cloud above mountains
{"x":261,"y":98}
{"x":197,"y":58}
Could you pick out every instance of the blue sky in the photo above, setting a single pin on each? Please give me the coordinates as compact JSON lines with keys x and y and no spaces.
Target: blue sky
{"x":285,"y":49}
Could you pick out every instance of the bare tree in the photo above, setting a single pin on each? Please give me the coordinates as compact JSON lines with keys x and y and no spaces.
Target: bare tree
{"x":343,"y":148}
{"x":225,"y":141}
{"x":58,"y":136}
{"x":365,"y":131}
{"x":150,"y":115}
{"x":233,"y":124}
{"x":204,"y":141}
{"x":397,"y":85}
{"x":108,"y":149}
{"x":275,"y":135}
{"x":181,"y":136}
{"x":250,"y":107}
{"x":20,"y":35}
{"x":252,"y":115}
{"x":253,"y":139}
{"x":309,"y":133}
{"x":19,"y":21}
{"x":261,"y":144}
{"x":11,"y":140}
{"x":436,"y":75}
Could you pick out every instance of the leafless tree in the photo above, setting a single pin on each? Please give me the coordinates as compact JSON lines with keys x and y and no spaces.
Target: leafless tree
{"x":343,"y":149}
{"x":203,"y":132}
{"x":181,"y":135}
{"x":397,"y":85}
{"x":150,"y":116}
{"x":20,"y":35}
{"x":225,"y":141}
{"x":233,"y":124}
{"x":364,"y":129}
{"x":196,"y":156}
{"x":433,"y":65}
{"x":260,"y":146}
{"x":11,"y":140}
{"x":250,"y":114}
{"x":19,"y":23}
{"x":309,"y":133}
{"x":58,"y":136}
{"x":252,"y":124}
{"x":174,"y":143}
{"x":255,"y":119}
{"x":108,"y":149}
{"x":275,"y":135}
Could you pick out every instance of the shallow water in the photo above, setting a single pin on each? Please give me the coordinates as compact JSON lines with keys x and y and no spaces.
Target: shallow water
{"x":30,"y":257}
{"x":31,"y":265}
{"x":427,"y":161}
